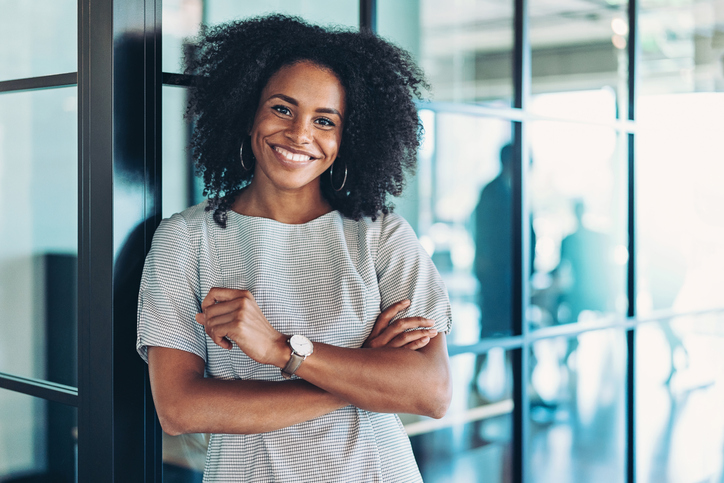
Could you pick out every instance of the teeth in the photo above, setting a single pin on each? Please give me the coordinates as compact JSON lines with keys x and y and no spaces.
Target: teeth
{"x":291,"y":156}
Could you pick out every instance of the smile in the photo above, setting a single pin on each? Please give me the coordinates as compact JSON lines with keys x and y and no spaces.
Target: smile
{"x":288,"y":155}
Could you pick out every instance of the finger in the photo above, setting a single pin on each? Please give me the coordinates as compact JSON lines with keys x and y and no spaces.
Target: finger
{"x":221,"y":319}
{"x":218,"y":335}
{"x":383,"y":320}
{"x":411,"y":336}
{"x":222,"y":308}
{"x":399,"y":326}
{"x":418,"y":344}
{"x":219,"y":294}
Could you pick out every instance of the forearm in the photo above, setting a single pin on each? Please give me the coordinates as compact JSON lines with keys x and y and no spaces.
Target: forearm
{"x":187,"y":402}
{"x":243,"y":407}
{"x":384,"y":379}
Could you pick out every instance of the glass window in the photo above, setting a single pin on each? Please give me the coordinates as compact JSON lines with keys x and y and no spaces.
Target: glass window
{"x":38,"y":234}
{"x":460,"y":205}
{"x":465,"y":48}
{"x":679,"y":396}
{"x":577,"y":408}
{"x":181,"y":18}
{"x":473,"y":442}
{"x":680,"y":202}
{"x":681,"y":46}
{"x":38,"y":38}
{"x":580,"y":46}
{"x":578,"y":200}
{"x":181,"y":188}
{"x":38,"y":439}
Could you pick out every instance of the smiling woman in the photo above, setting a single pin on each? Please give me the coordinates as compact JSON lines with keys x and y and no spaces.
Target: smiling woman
{"x":232,"y":65}
{"x":295,"y":138}
{"x":292,"y":314}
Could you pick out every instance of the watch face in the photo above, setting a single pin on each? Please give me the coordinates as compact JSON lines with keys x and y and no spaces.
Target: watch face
{"x":301,"y":345}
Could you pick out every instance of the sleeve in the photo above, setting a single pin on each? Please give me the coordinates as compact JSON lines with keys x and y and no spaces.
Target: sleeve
{"x":405,"y":271}
{"x":169,"y":297}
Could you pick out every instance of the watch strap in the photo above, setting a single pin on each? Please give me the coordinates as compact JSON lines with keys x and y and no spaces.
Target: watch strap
{"x":294,"y":362}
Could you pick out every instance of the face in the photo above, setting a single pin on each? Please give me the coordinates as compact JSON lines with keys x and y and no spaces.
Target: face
{"x":297,"y":129}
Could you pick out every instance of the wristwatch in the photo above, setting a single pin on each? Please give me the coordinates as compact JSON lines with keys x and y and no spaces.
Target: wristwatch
{"x":301,"y":349}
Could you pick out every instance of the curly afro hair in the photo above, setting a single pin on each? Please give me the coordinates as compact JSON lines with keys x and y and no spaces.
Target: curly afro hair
{"x":232,"y":64}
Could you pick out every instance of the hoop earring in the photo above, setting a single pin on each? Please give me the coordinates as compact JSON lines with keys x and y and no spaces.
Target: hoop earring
{"x":241,"y":155}
{"x":331,"y":176}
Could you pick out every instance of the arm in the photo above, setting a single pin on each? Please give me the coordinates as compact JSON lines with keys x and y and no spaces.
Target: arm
{"x":187,"y":402}
{"x":382,"y":379}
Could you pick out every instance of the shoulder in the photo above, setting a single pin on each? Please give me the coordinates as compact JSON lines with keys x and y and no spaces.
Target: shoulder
{"x":381,"y":229}
{"x":182,"y":231}
{"x":394,"y":227}
{"x":188,"y":222}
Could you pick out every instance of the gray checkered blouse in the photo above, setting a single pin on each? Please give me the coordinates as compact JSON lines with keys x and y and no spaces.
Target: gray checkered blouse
{"x":325,"y":279}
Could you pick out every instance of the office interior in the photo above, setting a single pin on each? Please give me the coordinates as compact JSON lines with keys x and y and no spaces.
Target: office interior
{"x":569,"y":189}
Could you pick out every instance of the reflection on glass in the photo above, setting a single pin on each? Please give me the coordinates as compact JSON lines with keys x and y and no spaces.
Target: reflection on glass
{"x":38,"y":38}
{"x":465,"y":48}
{"x":38,"y":234}
{"x":577,"y":408}
{"x":473,"y":442}
{"x":38,"y":440}
{"x":680,"y":202}
{"x":182,"y":18}
{"x":184,"y":457}
{"x":580,"y":46}
{"x":679,"y":396}
{"x":578,"y":198}
{"x":682,"y":46}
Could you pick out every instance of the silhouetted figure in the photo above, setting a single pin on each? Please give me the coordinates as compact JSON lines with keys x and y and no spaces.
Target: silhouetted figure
{"x":494,"y":270}
{"x":494,"y":250}
{"x":585,"y":270}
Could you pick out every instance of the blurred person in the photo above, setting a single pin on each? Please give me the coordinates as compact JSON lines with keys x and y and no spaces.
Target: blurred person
{"x":585,"y":271}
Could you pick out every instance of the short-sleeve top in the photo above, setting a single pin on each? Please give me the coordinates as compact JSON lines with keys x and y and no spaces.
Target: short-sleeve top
{"x":326,"y":279}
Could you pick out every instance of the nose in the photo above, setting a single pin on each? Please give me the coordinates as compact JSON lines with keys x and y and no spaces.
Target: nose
{"x":299,"y":132}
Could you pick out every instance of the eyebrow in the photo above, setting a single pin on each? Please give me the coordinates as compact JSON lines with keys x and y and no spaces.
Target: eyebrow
{"x":292,"y":101}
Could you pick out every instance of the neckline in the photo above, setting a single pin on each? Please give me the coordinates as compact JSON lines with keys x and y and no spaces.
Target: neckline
{"x":262,"y":219}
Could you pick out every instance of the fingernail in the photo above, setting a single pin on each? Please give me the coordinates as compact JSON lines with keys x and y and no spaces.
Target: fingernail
{"x":406,"y":302}
{"x":432,"y":331}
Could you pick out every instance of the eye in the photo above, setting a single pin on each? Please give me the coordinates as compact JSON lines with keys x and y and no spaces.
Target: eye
{"x":325,"y":122}
{"x":282,"y":109}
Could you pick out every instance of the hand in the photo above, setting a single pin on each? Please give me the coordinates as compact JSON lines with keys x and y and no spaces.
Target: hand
{"x":233,"y":315}
{"x":396,"y":334}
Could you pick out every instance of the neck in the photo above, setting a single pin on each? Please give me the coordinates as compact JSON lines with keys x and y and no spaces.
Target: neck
{"x":290,"y":207}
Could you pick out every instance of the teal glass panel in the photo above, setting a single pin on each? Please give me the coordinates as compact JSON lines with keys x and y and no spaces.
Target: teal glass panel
{"x":182,"y":18}
{"x":578,"y":202}
{"x":181,"y":188}
{"x":460,"y":205}
{"x":473,"y":442}
{"x":38,"y":440}
{"x":679,"y":395}
{"x":465,"y":48}
{"x":38,"y":38}
{"x":39,"y":234}
{"x":580,"y":46}
{"x":680,"y":202}
{"x":577,"y":409}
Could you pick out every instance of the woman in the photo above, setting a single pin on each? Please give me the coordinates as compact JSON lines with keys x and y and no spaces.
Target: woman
{"x":301,"y":133}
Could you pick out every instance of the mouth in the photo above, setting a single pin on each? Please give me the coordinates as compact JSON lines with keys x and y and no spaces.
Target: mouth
{"x":291,"y":156}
